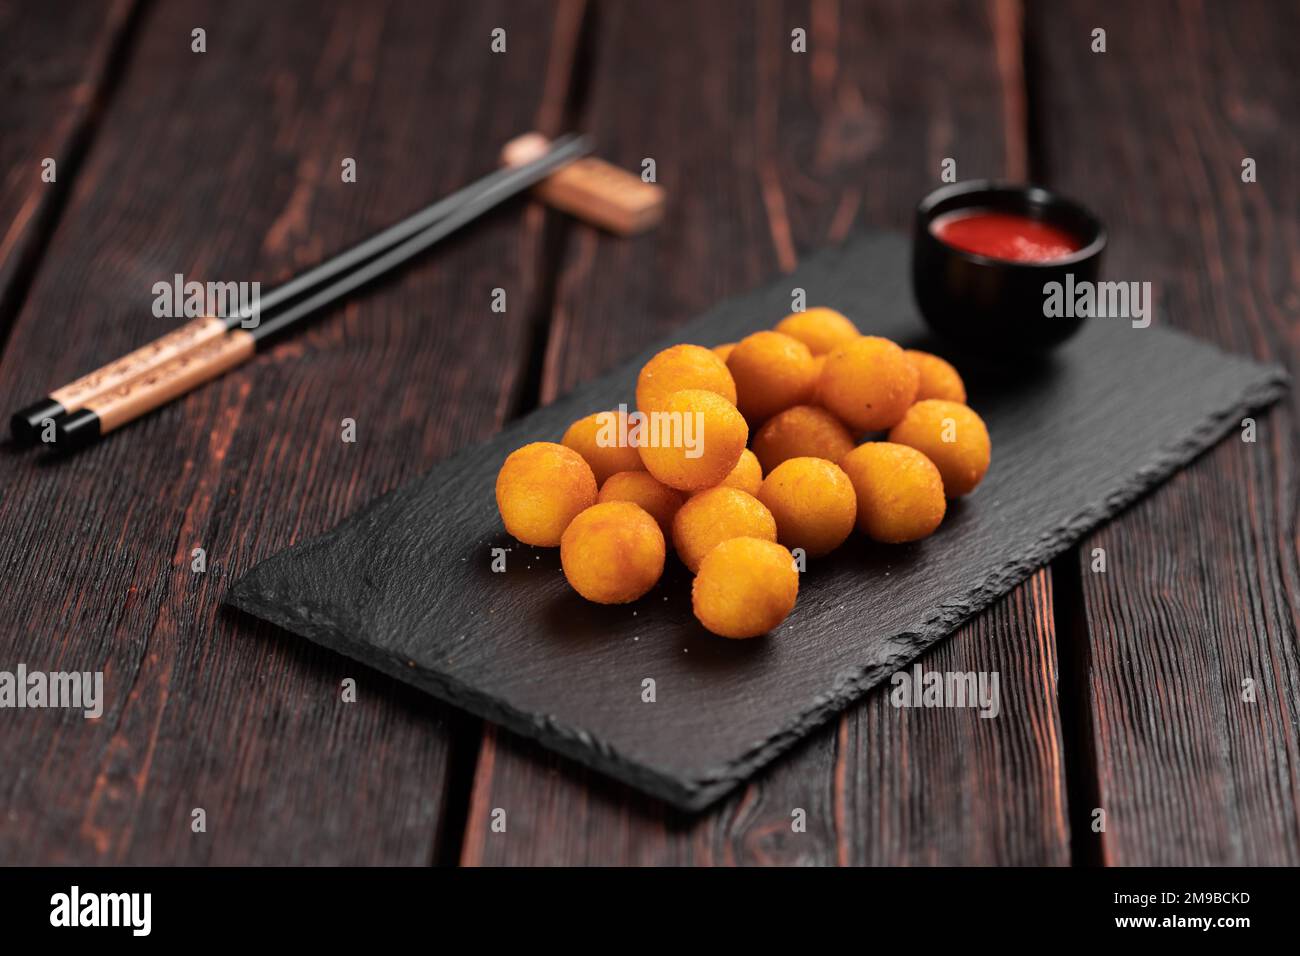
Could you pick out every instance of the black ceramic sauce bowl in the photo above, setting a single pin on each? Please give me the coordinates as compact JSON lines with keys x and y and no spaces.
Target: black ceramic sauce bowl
{"x":996,"y":306}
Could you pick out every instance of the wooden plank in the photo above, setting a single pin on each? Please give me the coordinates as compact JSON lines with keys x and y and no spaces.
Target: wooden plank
{"x":55,"y":65}
{"x":1202,"y":587}
{"x":766,"y":155}
{"x":226,"y":165}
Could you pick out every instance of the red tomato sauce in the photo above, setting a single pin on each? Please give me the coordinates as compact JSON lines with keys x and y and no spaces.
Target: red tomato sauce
{"x":1002,"y":235}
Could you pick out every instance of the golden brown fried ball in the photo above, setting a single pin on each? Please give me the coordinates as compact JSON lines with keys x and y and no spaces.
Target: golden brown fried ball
{"x":713,"y":516}
{"x":813,"y":502}
{"x":799,"y":432}
{"x":868,"y":383}
{"x":540,"y":487}
{"x":745,"y":587}
{"x":900,"y":492}
{"x":612,"y":553}
{"x":679,"y":367}
{"x":772,"y":372}
{"x":697,"y":440}
{"x":938,"y":378}
{"x":952,"y":436}
{"x":596,"y":439}
{"x":723,"y":350}
{"x":747,"y":475}
{"x":820,"y":329}
{"x":643,"y":489}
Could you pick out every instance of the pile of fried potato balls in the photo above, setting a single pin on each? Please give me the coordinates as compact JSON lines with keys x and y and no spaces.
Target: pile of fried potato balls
{"x":778,"y":465}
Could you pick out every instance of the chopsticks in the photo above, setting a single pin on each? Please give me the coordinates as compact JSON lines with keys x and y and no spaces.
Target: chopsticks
{"x":129,"y":387}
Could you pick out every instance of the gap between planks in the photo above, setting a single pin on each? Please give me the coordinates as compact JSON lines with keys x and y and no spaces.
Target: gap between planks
{"x":568,"y":85}
{"x":48,"y":213}
{"x":1069,"y":620}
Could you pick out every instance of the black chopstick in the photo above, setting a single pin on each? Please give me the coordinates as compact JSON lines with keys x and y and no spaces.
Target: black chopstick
{"x":390,"y":237}
{"x":106,"y":411}
{"x":27,"y":423}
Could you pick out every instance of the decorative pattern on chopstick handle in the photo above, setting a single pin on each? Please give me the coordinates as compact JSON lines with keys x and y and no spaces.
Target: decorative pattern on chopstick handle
{"x":160,"y":385}
{"x":76,"y":394}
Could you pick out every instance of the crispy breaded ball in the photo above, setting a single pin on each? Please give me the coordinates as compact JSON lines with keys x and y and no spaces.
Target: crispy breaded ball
{"x":900,"y":493}
{"x":868,"y":383}
{"x":745,"y":587}
{"x":596,"y":438}
{"x":613,"y":552}
{"x":723,"y":350}
{"x":714,"y":516}
{"x":813,"y":502}
{"x":820,"y":329}
{"x":540,"y":488}
{"x":938,"y":379}
{"x":772,"y":372}
{"x":799,"y":432}
{"x":693,"y":439}
{"x":644,"y":489}
{"x":747,"y":475}
{"x":952,"y":436}
{"x":679,"y":367}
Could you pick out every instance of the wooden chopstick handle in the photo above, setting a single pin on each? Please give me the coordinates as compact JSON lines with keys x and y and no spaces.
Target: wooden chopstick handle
{"x":161,"y":350}
{"x":111,"y":409}
{"x":29,"y":423}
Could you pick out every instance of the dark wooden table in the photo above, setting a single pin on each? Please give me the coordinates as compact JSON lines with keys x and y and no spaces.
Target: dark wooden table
{"x":1125,"y":689}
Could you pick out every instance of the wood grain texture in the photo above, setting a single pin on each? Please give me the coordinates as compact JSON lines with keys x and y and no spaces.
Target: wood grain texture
{"x":93,"y":554}
{"x":1202,"y":590}
{"x":226,"y":165}
{"x":55,"y":63}
{"x":800,"y":150}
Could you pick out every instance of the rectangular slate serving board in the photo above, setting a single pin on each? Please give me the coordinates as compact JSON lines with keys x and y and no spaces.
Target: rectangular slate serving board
{"x":406,"y":584}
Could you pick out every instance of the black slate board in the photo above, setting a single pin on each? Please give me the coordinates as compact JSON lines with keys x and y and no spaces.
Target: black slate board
{"x":406,"y":586}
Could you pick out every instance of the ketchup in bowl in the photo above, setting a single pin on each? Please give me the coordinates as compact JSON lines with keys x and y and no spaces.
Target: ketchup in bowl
{"x":1003,"y":235}
{"x":984,"y":254}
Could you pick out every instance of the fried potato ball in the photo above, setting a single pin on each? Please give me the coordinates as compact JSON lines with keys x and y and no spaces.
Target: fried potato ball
{"x":693,"y":440}
{"x":745,"y":587}
{"x":938,"y":378}
{"x":540,"y":488}
{"x":952,"y":436}
{"x":772,"y":372}
{"x":747,"y":475}
{"x":813,"y":502}
{"x":820,"y":329}
{"x":644,"y":489}
{"x":868,"y":383}
{"x":679,"y":367}
{"x":723,"y":350}
{"x":714,"y":516}
{"x":613,"y":552}
{"x":596,"y":437}
{"x":900,"y":492}
{"x":804,"y":431}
